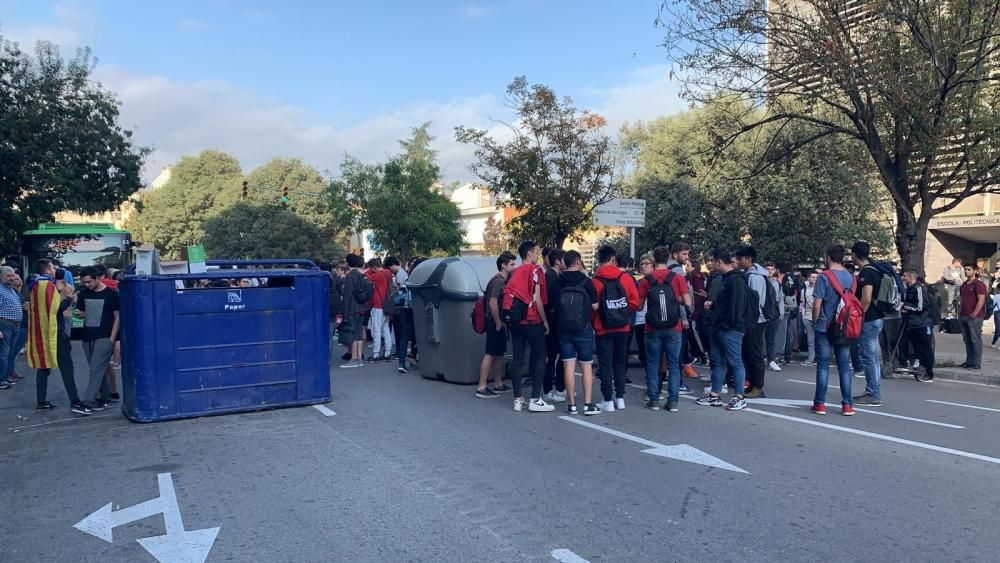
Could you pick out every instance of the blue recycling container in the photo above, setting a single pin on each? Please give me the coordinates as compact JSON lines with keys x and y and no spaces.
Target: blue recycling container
{"x":196,"y":351}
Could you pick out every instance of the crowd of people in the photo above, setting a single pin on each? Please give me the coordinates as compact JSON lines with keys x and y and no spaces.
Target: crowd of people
{"x":36,"y":321}
{"x":741,"y":319}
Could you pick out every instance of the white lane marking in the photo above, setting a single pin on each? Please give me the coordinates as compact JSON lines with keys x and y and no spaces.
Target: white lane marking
{"x":324,"y":410}
{"x":884,"y":437}
{"x":177,"y":545}
{"x":681,"y":452}
{"x":813,"y":383}
{"x":796,"y":403}
{"x":961,"y":405}
{"x":567,"y":556}
{"x":61,"y":420}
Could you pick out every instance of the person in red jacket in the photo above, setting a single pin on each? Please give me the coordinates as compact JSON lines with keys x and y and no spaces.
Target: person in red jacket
{"x":527,"y":284}
{"x":381,"y":328}
{"x":617,"y":298}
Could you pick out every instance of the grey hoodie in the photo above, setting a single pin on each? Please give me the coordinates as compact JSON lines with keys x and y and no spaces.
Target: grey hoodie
{"x":757,"y":277}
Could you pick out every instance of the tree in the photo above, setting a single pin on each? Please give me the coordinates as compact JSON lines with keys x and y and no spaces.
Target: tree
{"x":397,"y":202}
{"x":199,"y":188}
{"x":307,"y":194}
{"x":791,"y":210}
{"x":249,"y":230}
{"x":495,"y":237}
{"x":418,"y":146}
{"x":61,"y":146}
{"x":910,"y":82}
{"x":559,"y":165}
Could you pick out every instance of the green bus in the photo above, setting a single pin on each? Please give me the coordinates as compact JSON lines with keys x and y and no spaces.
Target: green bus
{"x":75,"y":246}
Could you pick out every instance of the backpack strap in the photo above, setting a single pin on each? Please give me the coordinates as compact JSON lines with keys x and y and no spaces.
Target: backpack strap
{"x":835,"y":283}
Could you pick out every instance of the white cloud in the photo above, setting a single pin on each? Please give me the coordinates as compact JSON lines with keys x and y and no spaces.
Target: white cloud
{"x":474,"y":11}
{"x":70,"y":28}
{"x":183,"y":118}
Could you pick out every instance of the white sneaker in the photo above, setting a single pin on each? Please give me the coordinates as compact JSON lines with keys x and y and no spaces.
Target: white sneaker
{"x":558,"y":397}
{"x":725,"y":389}
{"x":607,"y":406}
{"x":620,"y":404}
{"x":773,"y":366}
{"x":539,"y":405}
{"x":352,"y":364}
{"x":519,"y":404}
{"x":547,"y":396}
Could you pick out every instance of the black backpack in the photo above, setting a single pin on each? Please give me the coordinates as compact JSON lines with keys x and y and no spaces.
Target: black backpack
{"x":662,"y":309}
{"x":614,"y":304}
{"x":752,"y":312}
{"x":574,"y":308}
{"x":770,"y":309}
{"x":364,"y":290}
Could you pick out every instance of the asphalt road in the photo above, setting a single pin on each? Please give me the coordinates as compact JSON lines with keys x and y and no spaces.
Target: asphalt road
{"x":414,"y":470}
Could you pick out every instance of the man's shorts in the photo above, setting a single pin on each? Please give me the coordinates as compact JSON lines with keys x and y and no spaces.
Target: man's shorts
{"x":577,"y":346}
{"x":356,"y":324}
{"x":496,"y":340}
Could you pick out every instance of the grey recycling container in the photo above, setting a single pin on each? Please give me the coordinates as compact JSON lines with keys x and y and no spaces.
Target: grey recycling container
{"x":444,"y":291}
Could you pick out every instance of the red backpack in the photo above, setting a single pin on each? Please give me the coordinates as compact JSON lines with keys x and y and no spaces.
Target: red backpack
{"x":480,"y":309}
{"x":845,"y":329}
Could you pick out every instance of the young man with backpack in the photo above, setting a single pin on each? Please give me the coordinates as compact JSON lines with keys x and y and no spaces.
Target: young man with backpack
{"x":496,"y":331}
{"x":730,"y":321}
{"x":381,"y":279}
{"x":833,"y":300}
{"x":767,"y":310}
{"x":523,"y":311}
{"x":552,"y":384}
{"x":917,"y":324}
{"x":357,"y":292}
{"x":871,"y":278}
{"x":664,"y":294}
{"x":774,"y":336}
{"x":401,"y":309}
{"x":617,"y":299}
{"x":680,"y":257}
{"x":576,"y":301}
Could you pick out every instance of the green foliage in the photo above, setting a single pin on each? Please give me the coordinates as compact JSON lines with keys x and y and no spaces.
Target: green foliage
{"x":789,"y":210}
{"x":61,"y":146}
{"x":200,"y":187}
{"x":250,"y":230}
{"x":418,"y":146}
{"x":397,"y":201}
{"x":556,"y":169}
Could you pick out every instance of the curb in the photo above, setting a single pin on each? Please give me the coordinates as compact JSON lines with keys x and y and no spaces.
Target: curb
{"x":966,"y":376}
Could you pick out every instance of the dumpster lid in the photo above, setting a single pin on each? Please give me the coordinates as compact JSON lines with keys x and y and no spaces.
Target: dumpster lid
{"x":456,"y":279}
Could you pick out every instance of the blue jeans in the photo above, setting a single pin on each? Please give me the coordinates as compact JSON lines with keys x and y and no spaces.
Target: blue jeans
{"x":824,"y":349}
{"x":727,"y":350}
{"x":658,"y":342}
{"x":20,"y":337}
{"x":9,"y":333}
{"x":868,"y":346}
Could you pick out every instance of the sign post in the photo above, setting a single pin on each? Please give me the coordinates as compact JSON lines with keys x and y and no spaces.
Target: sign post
{"x":629,"y":213}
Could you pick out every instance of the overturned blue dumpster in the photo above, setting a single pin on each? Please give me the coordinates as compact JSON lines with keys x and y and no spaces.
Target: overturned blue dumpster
{"x":225,"y":341}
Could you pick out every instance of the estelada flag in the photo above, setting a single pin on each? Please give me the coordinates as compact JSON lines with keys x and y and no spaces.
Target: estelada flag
{"x":43,"y":325}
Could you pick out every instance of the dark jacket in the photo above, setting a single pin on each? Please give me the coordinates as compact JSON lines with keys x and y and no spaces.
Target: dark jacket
{"x":567,"y":279}
{"x":351,"y":305}
{"x":551,"y":277}
{"x":714,"y":287}
{"x":336,"y":296}
{"x":731,"y":305}
{"x":916,"y":306}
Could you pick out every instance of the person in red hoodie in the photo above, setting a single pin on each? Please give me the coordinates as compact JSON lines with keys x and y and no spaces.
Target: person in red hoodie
{"x":381,"y":328}
{"x":617,"y":298}
{"x":527,"y":285}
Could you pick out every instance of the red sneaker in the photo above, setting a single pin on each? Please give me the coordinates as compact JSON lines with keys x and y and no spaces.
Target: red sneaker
{"x":689,"y":371}
{"x":847,"y":410}
{"x":818,"y":409}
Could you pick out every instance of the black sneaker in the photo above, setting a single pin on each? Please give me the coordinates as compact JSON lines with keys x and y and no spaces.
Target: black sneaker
{"x":44,"y":406}
{"x":867,"y":401}
{"x":80,"y":408}
{"x":571,"y":409}
{"x":924,"y":378}
{"x":95,"y":406}
{"x":486,"y":393}
{"x":402,"y":369}
{"x":653,"y":405}
{"x":672,"y":406}
{"x":116,"y":397}
{"x":591,"y":410}
{"x":346,"y":356}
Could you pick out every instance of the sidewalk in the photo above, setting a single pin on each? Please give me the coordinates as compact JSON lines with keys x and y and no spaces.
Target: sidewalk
{"x":949,"y":352}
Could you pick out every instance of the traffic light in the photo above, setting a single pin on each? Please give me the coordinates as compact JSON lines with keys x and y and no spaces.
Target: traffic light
{"x":284,"y":194}
{"x":244,"y":189}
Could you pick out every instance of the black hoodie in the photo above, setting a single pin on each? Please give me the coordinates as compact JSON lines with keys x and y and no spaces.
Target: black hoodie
{"x":567,"y":279}
{"x":731,"y":304}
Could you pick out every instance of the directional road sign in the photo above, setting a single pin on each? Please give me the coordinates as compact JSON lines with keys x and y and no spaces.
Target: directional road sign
{"x":621,"y":213}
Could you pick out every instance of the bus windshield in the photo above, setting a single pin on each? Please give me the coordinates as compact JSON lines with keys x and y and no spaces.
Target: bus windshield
{"x":77,"y":251}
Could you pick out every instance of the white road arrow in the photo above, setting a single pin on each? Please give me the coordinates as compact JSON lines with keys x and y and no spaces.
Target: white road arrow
{"x":681,"y":452}
{"x":176,"y":546}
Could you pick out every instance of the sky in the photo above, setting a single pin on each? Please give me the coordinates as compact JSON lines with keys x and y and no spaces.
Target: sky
{"x":321,"y":80}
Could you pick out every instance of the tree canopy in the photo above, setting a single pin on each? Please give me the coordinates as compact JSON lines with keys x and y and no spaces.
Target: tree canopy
{"x":61,"y":145}
{"x":912,"y":83}
{"x":805,"y":200}
{"x":557,"y":167}
{"x":249,"y":230}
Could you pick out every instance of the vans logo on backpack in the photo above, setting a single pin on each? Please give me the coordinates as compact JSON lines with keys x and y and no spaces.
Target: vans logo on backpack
{"x":617,"y":303}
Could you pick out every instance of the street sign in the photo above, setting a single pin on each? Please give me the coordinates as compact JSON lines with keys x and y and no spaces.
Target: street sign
{"x":621,"y":213}
{"x":176,"y":546}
